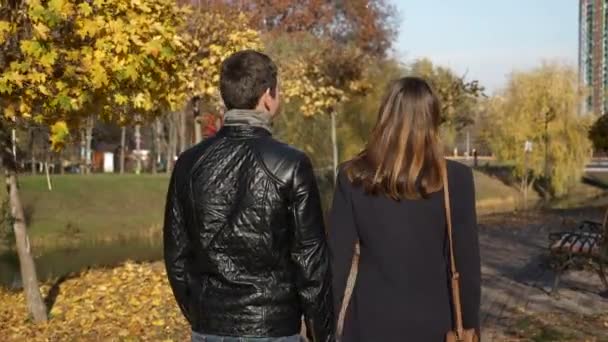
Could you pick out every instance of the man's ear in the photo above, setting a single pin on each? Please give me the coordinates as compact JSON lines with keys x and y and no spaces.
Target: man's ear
{"x":266,"y":98}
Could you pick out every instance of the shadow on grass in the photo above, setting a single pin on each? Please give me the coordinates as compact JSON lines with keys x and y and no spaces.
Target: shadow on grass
{"x":503,"y":173}
{"x":596,"y":182}
{"x":54,"y":292}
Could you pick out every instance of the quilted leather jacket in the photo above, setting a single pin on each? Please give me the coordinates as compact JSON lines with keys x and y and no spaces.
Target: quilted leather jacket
{"x":244,"y":239}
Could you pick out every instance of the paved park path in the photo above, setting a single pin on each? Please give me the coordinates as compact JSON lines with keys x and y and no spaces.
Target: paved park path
{"x":513,"y":248}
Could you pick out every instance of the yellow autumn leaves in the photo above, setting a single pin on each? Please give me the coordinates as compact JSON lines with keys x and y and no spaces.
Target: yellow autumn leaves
{"x":5,"y":29}
{"x":322,"y":78}
{"x":64,"y":60}
{"x":316,"y":93}
{"x":213,"y":36}
{"x":132,"y":302}
{"x":68,"y":60}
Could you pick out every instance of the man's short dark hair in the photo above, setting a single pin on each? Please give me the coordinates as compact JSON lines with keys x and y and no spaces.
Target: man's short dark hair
{"x":245,"y":77}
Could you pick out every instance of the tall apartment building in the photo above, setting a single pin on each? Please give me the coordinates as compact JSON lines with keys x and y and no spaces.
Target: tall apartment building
{"x":593,"y":54}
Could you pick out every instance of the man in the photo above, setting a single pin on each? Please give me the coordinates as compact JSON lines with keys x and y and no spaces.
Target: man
{"x":244,"y":238}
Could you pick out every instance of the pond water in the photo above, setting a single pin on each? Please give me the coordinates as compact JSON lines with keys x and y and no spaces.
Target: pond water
{"x":59,"y":262}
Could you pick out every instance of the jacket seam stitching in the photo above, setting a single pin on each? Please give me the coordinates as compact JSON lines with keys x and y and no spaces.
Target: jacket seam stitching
{"x":265,"y":168}
{"x":190,"y":182}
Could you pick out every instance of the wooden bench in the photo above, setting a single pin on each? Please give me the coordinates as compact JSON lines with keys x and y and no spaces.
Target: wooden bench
{"x":585,"y":247}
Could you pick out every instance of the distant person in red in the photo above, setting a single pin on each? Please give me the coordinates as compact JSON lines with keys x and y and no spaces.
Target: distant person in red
{"x":211,"y":124}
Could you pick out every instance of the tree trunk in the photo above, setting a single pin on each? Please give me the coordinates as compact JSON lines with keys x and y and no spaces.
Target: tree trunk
{"x":32,"y":153}
{"x":34,"y":164}
{"x":198,"y":131}
{"x":154,"y":148}
{"x":61,"y":170}
{"x":334,"y":143}
{"x":179,"y":128}
{"x":182,"y":131}
{"x":35,"y":304}
{"x":83,"y":151}
{"x":168,"y":145}
{"x":89,"y":137}
{"x":174,"y":147}
{"x":48,"y":173}
{"x":156,"y":132}
{"x":138,"y":148}
{"x":32,"y":147}
{"x":14,"y":145}
{"x":123,"y":142}
{"x":172,"y":144}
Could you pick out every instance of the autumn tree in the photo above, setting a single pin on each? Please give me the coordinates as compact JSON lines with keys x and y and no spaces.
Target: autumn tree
{"x":212,"y":33}
{"x":339,"y":36}
{"x":359,"y":113}
{"x":458,"y":96}
{"x":12,"y":21}
{"x":541,"y":106}
{"x":371,"y":25}
{"x":318,"y":77}
{"x":63,"y":62}
{"x":215,"y":35}
{"x":308,"y":133}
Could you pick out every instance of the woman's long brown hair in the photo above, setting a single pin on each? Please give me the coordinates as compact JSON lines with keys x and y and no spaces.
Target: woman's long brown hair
{"x":403,"y":157}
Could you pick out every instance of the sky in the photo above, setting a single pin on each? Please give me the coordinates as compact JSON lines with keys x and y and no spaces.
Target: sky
{"x":488,"y":39}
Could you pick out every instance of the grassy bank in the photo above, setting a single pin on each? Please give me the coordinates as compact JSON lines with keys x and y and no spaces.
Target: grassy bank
{"x":92,"y":208}
{"x":109,"y":208}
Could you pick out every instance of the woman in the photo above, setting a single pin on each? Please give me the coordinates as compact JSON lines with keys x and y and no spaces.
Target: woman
{"x":389,"y":199}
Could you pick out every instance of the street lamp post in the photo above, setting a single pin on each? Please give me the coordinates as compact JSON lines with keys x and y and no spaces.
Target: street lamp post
{"x":527,"y":151}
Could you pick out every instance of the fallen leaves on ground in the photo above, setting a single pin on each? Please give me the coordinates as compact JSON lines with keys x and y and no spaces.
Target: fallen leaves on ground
{"x":550,"y":327}
{"x":131,"y":302}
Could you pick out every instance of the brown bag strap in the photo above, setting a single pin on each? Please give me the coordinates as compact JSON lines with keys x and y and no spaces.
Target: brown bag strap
{"x":455,"y":276}
{"x":348,"y":291}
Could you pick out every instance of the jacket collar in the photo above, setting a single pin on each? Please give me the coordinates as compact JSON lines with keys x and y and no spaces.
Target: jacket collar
{"x":244,"y":131}
{"x":248,"y":117}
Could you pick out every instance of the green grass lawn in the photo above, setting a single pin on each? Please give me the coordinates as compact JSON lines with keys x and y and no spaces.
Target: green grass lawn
{"x":92,"y":207}
{"x":487,"y":187}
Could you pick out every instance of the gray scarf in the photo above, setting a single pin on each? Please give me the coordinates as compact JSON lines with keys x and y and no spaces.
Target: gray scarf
{"x":248,"y":117}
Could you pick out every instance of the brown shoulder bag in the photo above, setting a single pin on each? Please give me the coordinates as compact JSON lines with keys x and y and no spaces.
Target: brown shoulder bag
{"x":459,"y":334}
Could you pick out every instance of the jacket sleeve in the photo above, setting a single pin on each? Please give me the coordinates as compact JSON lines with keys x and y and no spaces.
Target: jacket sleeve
{"x":343,"y":237}
{"x":310,"y":255}
{"x":466,"y":247}
{"x":177,"y":249}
